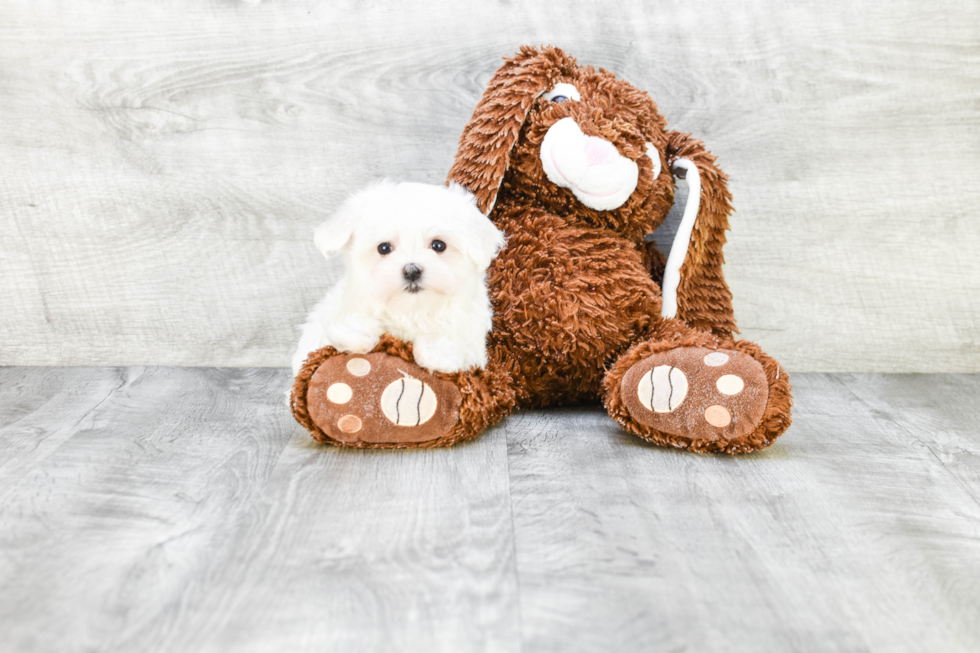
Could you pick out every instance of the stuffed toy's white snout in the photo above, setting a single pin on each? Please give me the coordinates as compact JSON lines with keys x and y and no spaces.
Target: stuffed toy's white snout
{"x":592,"y":168}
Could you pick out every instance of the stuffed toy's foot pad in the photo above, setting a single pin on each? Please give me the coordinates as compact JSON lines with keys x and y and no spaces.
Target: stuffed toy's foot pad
{"x":703,"y":394}
{"x":377,"y":398}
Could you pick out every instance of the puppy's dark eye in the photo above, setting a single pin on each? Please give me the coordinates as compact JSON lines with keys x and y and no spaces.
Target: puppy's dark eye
{"x":559,"y":98}
{"x":385,"y":248}
{"x":439,"y":246}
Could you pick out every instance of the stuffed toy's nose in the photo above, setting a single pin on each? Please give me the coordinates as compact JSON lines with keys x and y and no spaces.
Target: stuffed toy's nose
{"x":598,"y":151}
{"x":412,"y":272}
{"x":597,"y":174}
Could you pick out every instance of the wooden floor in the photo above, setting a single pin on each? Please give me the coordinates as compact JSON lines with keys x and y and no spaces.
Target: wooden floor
{"x":181,"y":509}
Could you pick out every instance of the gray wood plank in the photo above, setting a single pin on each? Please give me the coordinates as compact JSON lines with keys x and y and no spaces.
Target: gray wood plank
{"x":186,"y":511}
{"x":368,"y":551}
{"x":167,"y":509}
{"x":162,"y":164}
{"x":40,"y":408}
{"x":846,"y":535}
{"x":103,"y":539}
{"x":939,"y":412}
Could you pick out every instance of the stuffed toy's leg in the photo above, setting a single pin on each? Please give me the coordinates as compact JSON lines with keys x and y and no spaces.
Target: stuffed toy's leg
{"x":383,"y":400}
{"x":692,"y":390}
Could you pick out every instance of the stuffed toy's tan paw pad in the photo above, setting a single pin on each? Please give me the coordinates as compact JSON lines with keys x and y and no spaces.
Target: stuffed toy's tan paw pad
{"x":377,"y":398}
{"x":703,"y":394}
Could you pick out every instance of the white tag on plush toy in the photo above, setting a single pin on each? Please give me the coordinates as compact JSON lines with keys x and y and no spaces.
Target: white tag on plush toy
{"x":682,"y":240}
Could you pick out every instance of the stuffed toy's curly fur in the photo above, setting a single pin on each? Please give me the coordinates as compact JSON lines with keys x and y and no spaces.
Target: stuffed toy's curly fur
{"x":575,"y":166}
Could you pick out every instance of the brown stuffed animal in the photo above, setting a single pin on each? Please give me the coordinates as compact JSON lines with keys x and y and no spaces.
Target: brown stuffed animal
{"x":575,"y":166}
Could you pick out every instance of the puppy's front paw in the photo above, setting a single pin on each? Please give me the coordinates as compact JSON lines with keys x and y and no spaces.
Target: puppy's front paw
{"x":355,"y":343}
{"x":354,"y":334}
{"x":440,"y":355}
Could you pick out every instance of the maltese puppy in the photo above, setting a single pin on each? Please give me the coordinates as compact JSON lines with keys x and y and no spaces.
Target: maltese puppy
{"x":415,"y":258}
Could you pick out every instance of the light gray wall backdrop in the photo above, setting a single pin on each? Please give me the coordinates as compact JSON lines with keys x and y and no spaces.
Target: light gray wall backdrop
{"x":162,"y":165}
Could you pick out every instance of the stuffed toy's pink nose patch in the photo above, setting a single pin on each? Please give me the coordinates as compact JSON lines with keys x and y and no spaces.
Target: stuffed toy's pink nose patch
{"x":592,"y":168}
{"x":599,"y":152}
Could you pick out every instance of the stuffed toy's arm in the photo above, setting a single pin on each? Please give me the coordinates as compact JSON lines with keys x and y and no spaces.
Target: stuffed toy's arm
{"x":694,"y":286}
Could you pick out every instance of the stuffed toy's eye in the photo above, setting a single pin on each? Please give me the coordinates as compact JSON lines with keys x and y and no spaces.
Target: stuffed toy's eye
{"x":439,"y":246}
{"x":562,"y":93}
{"x":385,"y":248}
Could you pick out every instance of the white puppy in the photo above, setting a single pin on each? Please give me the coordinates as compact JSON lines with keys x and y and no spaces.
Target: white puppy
{"x":415,"y":258}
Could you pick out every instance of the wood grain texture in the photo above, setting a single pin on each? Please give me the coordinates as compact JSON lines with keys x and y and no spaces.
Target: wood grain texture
{"x":42,"y":408}
{"x":179,"y":509}
{"x":111,"y":532}
{"x":848,"y":534}
{"x":162,"y":165}
{"x":366,"y":551}
{"x":186,"y":511}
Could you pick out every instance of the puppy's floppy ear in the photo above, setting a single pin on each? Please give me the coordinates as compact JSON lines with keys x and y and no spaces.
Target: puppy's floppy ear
{"x":331,"y":236}
{"x":474,"y":233}
{"x":484,"y":148}
{"x":334,"y":233}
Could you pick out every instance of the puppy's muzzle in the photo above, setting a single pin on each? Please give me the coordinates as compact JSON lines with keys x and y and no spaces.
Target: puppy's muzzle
{"x":412,"y":273}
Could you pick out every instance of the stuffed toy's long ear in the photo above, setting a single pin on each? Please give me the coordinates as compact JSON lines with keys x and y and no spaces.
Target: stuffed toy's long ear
{"x":694,"y":288}
{"x":484,"y":148}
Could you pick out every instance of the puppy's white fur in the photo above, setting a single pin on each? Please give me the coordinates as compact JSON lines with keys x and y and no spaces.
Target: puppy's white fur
{"x":446,"y":313}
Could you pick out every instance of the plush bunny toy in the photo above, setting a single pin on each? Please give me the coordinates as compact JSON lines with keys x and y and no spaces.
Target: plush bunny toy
{"x":576,"y":167}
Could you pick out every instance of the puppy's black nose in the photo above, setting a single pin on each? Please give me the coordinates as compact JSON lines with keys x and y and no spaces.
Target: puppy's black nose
{"x":412,"y":273}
